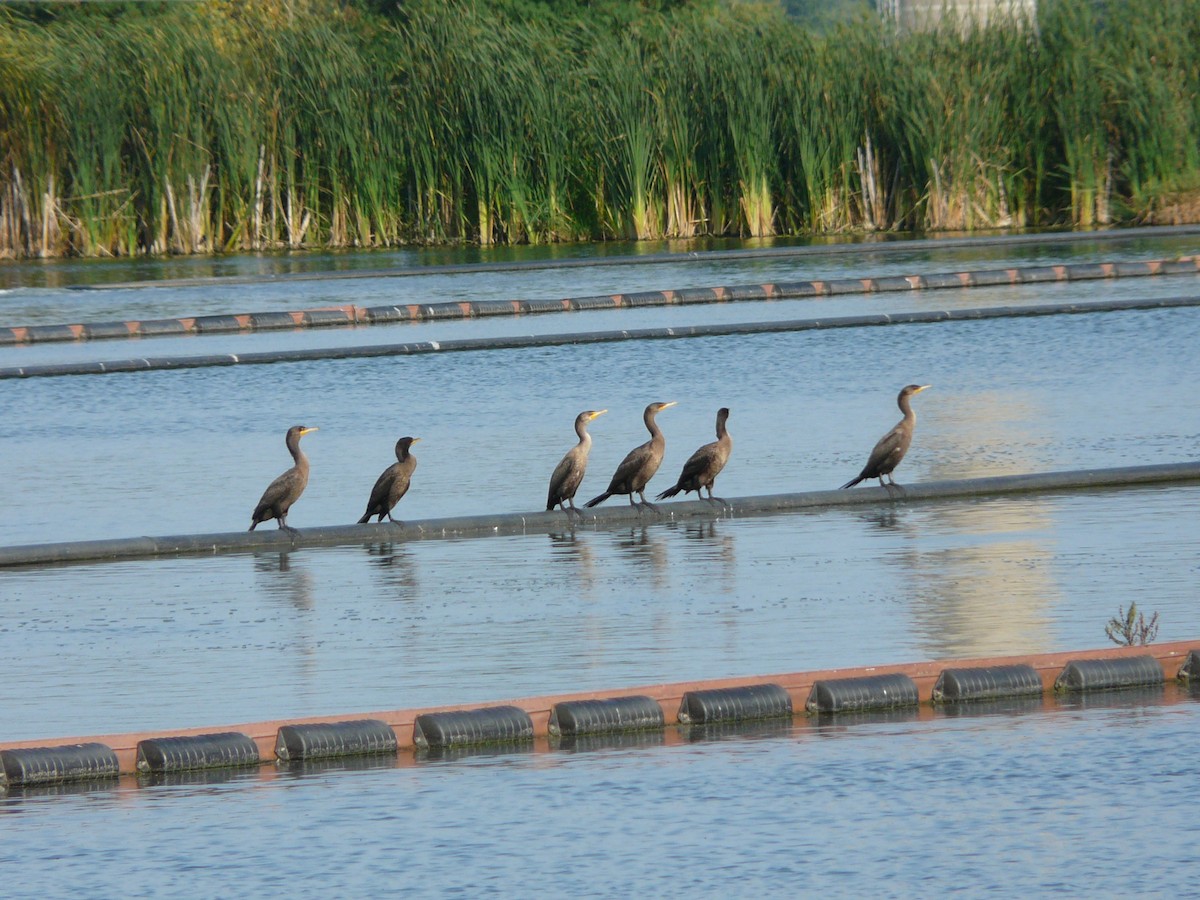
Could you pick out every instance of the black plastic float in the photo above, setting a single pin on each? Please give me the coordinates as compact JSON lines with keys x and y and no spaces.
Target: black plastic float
{"x":203,"y":751}
{"x":70,"y":762}
{"x":986,"y":683}
{"x":1107,"y":674}
{"x":490,"y":725}
{"x":330,"y":739}
{"x":859,"y":694}
{"x":608,"y":715}
{"x":1190,"y":670}
{"x":754,"y":701}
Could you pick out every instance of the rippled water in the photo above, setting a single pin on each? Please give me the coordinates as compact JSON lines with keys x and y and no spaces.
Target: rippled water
{"x":1083,"y":801}
{"x":191,"y":451}
{"x":1022,"y":801}
{"x":211,"y":641}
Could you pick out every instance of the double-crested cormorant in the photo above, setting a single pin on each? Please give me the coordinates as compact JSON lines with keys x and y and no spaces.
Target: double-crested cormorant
{"x":636,"y":469}
{"x":569,"y":472}
{"x":393,"y":483}
{"x":893,"y":445}
{"x":703,"y":466}
{"x":285,"y":490}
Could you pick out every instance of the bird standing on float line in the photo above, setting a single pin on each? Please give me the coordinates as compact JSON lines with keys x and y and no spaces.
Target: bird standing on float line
{"x":636,"y":469}
{"x":285,"y":490}
{"x":703,"y":466}
{"x":893,"y":445}
{"x":393,"y":483}
{"x":569,"y":472}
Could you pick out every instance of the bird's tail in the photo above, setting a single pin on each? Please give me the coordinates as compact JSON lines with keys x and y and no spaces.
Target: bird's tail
{"x":596,"y":501}
{"x":851,"y":483}
{"x":669,"y":492}
{"x":366,"y":518}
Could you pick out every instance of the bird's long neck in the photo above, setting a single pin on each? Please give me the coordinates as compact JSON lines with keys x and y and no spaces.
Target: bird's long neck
{"x":585,"y":439}
{"x":293,"y":446}
{"x":722,"y":433}
{"x":906,"y":407}
{"x":652,"y":426}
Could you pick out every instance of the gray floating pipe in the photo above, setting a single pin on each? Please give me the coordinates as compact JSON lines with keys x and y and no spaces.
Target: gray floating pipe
{"x":491,"y":725}
{"x":599,"y":716}
{"x":1107,"y":674}
{"x":858,"y":694}
{"x":202,"y":751}
{"x":69,"y":762}
{"x":272,"y":539}
{"x":537,"y":341}
{"x":330,"y":739}
{"x":754,"y":701}
{"x":986,"y":683}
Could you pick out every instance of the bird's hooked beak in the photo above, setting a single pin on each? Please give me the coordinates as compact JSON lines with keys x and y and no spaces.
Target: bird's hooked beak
{"x":305,"y":431}
{"x":923,"y":387}
{"x":665,"y":405}
{"x":596,"y":414}
{"x":415,"y":440}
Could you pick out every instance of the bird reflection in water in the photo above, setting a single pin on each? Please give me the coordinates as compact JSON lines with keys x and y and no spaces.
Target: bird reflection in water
{"x":282,"y":578}
{"x":714,"y":547}
{"x":568,"y":548}
{"x":886,"y":519}
{"x":646,"y":548}
{"x":396,"y":568}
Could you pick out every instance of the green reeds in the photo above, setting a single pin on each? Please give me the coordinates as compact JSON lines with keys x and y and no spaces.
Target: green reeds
{"x":227,"y":126}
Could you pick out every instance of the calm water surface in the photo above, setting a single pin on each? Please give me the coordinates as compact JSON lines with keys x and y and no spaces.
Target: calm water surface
{"x":212,"y":641}
{"x":1008,"y":805}
{"x":1018,"y":802}
{"x":191,"y":451}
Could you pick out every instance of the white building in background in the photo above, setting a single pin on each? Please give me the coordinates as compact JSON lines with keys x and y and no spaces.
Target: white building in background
{"x":928,"y":13}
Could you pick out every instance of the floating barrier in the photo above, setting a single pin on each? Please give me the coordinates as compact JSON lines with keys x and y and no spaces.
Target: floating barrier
{"x":333,"y":739}
{"x":699,"y":709}
{"x":753,"y":701}
{"x":72,"y":762}
{"x":615,"y":516}
{"x":576,"y":717}
{"x":987,"y":683}
{"x":350,"y":315}
{"x":202,"y":751}
{"x":1190,"y":671}
{"x":870,"y":692}
{"x":490,"y":725}
{"x":1108,"y":674}
{"x":526,"y":342}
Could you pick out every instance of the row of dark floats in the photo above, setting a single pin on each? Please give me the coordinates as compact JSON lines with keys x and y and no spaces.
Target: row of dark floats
{"x":576,"y":724}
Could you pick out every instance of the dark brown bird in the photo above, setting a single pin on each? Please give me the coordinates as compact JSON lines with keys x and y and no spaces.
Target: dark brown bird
{"x":893,"y":445}
{"x":568,"y":474}
{"x":285,"y":490}
{"x":393,"y":483}
{"x":636,"y":469}
{"x":703,"y":466}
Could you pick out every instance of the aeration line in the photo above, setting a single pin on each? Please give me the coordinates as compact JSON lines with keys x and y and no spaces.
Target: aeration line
{"x":523,"y":342}
{"x":605,"y":518}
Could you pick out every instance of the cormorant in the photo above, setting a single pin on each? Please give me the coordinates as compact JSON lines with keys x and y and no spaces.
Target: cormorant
{"x":393,"y":483}
{"x":285,"y":490}
{"x":703,"y":466}
{"x":893,"y":445}
{"x":569,"y":472}
{"x":636,"y":470}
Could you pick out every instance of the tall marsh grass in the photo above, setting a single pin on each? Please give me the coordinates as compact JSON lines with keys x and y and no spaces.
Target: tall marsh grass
{"x":224,"y":126}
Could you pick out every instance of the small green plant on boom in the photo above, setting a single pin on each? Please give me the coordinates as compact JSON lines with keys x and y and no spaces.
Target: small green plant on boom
{"x":1130,"y":629}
